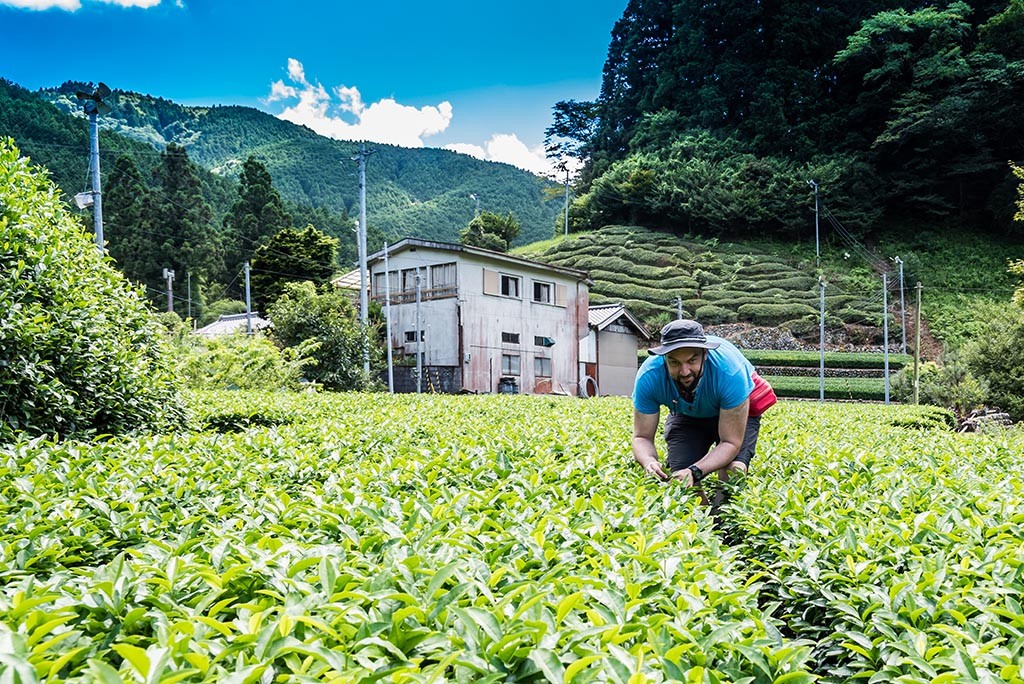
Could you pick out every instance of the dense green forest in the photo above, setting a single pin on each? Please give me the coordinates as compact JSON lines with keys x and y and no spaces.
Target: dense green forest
{"x":713,"y":116}
{"x":409,"y":192}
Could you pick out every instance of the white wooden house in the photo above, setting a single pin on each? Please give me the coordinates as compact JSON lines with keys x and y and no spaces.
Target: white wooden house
{"x":488,"y":321}
{"x":608,"y":355}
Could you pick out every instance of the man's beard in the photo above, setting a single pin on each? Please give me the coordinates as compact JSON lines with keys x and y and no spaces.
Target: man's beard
{"x":687,"y":390}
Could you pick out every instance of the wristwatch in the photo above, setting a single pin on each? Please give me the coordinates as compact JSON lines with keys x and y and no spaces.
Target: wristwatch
{"x":698,"y":474}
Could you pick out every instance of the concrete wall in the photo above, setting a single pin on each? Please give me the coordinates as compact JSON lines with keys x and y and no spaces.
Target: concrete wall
{"x":616,"y":366}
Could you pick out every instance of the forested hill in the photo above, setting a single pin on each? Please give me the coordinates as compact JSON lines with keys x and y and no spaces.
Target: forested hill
{"x":410,"y":192}
{"x":713,"y":116}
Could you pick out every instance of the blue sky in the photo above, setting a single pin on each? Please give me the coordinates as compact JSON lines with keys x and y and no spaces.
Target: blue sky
{"x":473,"y":76}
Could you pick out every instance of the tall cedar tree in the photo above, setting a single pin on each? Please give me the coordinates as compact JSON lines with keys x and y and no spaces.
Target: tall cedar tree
{"x":291,"y":255}
{"x":255,"y":216}
{"x":183,"y":233}
{"x":127,"y":202}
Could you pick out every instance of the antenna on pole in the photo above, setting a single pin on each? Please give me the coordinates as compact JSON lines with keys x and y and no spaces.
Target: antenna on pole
{"x":94,"y":107}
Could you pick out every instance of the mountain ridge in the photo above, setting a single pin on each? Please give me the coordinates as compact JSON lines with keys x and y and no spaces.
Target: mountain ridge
{"x":418,"y":192}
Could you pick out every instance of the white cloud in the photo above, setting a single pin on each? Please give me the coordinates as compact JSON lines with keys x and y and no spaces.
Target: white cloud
{"x":280,"y":91}
{"x":145,"y":4}
{"x":75,"y":5}
{"x":69,"y":5}
{"x":508,"y":148}
{"x":342,"y":114}
{"x":384,"y":121}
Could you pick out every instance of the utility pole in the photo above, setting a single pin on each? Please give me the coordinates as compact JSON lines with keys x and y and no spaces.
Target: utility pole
{"x":917,"y":345}
{"x":817,"y":245}
{"x":679,"y":307}
{"x":885,"y":330}
{"x":903,"y":311}
{"x":248,"y":303}
{"x":188,"y":298}
{"x":94,"y":107}
{"x":566,"y":200}
{"x":387,"y":320}
{"x":821,"y":334}
{"x":169,"y":279}
{"x":94,"y":163}
{"x":364,"y":305}
{"x":419,"y":338}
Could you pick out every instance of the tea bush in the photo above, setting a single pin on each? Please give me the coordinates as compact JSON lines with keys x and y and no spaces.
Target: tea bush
{"x":359,"y":537}
{"x":79,"y":350}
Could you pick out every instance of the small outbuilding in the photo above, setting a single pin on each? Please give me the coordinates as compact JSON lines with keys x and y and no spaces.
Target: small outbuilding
{"x":608,"y":355}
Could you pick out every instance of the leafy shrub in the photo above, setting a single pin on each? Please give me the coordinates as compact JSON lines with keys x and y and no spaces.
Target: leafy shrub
{"x":798,"y":359}
{"x":79,"y":351}
{"x":302,"y":314}
{"x":809,"y":327}
{"x":679,"y":282}
{"x":221,"y":307}
{"x":243,"y":361}
{"x":764,"y":268}
{"x":996,"y":357}
{"x":951,"y":385}
{"x":710,"y":314}
{"x":870,"y":389}
{"x":651,"y":295}
{"x":773,"y":314}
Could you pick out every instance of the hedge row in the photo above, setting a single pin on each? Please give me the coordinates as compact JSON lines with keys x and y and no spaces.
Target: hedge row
{"x":865,"y":389}
{"x":771,"y":357}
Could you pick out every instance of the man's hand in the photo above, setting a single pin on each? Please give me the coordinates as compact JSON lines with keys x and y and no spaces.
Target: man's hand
{"x":684,"y":475}
{"x":654,"y":469}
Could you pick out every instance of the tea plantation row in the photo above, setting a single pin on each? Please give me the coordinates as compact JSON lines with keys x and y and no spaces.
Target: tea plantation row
{"x":352,"y":538}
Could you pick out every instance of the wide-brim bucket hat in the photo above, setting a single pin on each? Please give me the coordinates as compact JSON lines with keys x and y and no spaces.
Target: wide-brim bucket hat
{"x":682,"y":333}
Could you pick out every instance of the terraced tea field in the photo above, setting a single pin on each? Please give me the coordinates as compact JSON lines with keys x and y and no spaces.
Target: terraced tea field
{"x":357,"y":538}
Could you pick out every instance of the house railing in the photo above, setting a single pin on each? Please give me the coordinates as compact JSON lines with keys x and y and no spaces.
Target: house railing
{"x":409,"y":296}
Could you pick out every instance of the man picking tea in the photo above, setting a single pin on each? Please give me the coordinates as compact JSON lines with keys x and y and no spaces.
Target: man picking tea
{"x":715,"y":401}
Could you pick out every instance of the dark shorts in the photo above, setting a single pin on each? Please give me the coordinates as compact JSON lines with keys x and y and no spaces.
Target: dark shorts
{"x":689,"y":439}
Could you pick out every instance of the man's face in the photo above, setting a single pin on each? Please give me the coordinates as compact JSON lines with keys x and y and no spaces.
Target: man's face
{"x":685,"y":366}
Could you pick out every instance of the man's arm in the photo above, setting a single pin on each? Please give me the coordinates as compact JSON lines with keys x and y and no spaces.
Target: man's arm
{"x":732,"y":426}
{"x":645,"y":426}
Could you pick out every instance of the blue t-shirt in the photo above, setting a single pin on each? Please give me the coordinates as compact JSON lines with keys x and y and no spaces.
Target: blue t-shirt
{"x":724,"y":384}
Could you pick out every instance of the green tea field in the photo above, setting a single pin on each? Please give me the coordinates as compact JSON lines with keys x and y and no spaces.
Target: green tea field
{"x":369,"y":537}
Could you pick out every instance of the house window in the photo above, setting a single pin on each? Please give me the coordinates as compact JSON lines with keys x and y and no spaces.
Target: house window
{"x":541,"y":292}
{"x":410,"y":335}
{"x":510,"y":286}
{"x":541,"y":367}
{"x":510,"y":338}
{"x":510,"y":364}
{"x":382,"y":286}
{"x":409,"y":280}
{"x":442,"y":275}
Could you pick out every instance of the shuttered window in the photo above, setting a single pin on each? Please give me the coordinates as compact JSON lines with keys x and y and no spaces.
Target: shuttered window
{"x":491,"y":282}
{"x":561,"y":295}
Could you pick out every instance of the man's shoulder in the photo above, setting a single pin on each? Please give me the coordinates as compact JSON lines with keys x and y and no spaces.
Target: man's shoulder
{"x":650,"y":365}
